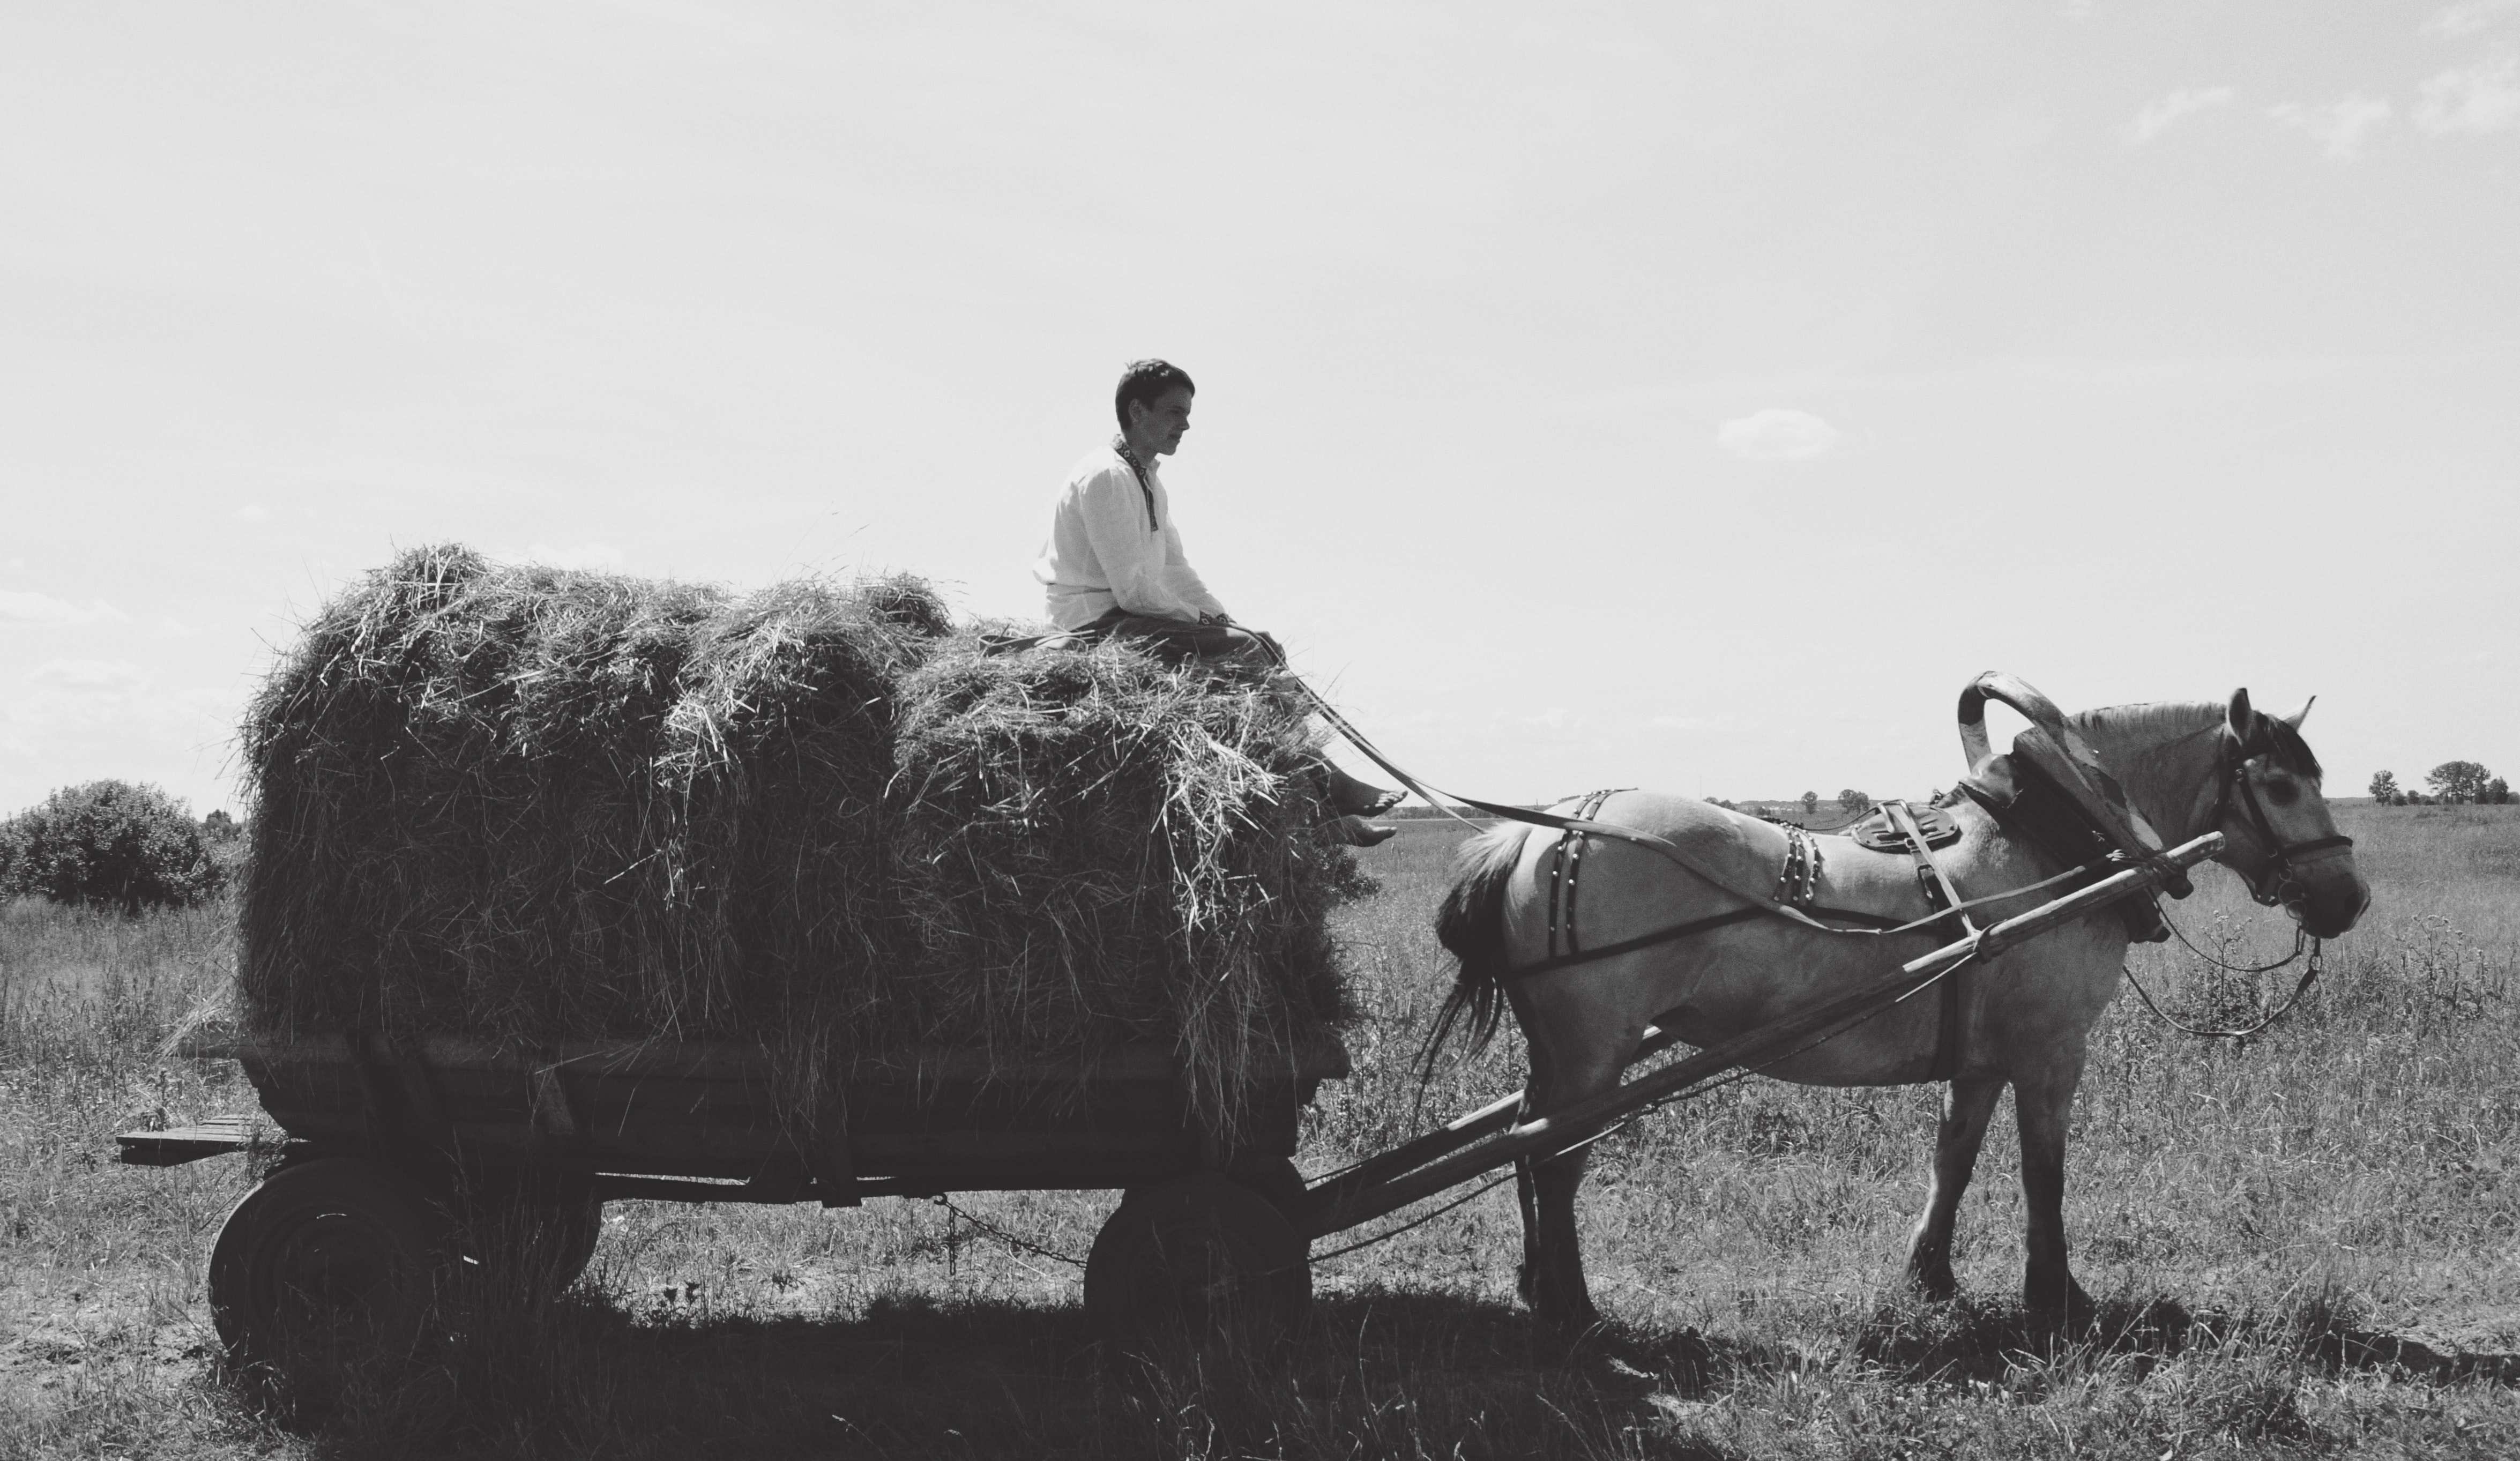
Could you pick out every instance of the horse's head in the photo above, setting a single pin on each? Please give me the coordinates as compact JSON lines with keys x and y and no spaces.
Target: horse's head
{"x":2279,"y":835}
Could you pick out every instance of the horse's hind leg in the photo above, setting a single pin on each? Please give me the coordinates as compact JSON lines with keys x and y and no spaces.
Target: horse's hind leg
{"x":1553,"y":1265}
{"x":1966,"y":1109}
{"x":1526,"y":1192}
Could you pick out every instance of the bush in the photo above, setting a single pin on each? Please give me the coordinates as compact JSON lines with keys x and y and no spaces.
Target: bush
{"x":110,"y":842}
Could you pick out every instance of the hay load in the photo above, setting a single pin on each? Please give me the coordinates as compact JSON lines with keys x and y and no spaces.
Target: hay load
{"x":1091,"y":846}
{"x":533,"y":804}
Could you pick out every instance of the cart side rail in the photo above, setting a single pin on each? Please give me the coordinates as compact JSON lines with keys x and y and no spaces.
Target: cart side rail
{"x":1320,"y":1057}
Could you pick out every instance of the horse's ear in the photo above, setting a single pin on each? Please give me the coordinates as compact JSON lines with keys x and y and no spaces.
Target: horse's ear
{"x":2298,"y":717}
{"x":2243,"y":719}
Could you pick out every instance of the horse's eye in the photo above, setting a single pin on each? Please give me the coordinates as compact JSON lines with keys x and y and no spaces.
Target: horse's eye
{"x":2284,"y":793}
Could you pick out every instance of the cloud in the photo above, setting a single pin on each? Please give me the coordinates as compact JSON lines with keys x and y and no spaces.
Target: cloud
{"x":85,"y":674}
{"x":2469,"y":16}
{"x":2480,"y":98}
{"x":252,"y":511}
{"x":2155,"y":119}
{"x":1777,"y":435}
{"x":583,"y":556}
{"x":67,"y":697}
{"x":18,"y":607}
{"x":85,"y":699}
{"x":2341,"y":125}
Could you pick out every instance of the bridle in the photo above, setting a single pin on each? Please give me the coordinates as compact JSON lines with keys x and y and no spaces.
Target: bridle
{"x":2269,"y":887}
{"x":2279,"y":876}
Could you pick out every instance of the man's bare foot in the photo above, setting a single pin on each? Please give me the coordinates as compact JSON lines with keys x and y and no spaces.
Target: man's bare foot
{"x":1356,"y":832}
{"x":1360,"y":798}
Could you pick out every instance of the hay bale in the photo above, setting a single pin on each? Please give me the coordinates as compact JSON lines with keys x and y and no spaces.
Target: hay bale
{"x":535,"y":805}
{"x":780,"y":752}
{"x":1094,"y":848}
{"x":531,"y":804}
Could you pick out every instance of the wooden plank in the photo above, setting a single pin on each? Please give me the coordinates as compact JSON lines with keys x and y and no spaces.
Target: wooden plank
{"x":174,"y":1146}
{"x":1325,"y":1058}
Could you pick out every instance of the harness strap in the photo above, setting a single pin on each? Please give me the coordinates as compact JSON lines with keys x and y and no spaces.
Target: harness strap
{"x":1565,"y":864}
{"x":1643,"y":940}
{"x":1940,"y":895}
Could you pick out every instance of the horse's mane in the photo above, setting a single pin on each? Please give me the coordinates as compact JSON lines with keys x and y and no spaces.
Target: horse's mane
{"x":2152,"y":724}
{"x":2160,"y":723}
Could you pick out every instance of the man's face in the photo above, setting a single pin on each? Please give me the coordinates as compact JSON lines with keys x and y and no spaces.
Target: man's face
{"x":1159,"y":427}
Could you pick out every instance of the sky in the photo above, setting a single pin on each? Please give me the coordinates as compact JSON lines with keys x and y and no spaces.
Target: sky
{"x":1685,"y":395}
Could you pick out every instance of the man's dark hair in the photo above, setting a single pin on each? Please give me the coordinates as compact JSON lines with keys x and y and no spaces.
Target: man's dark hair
{"x":1146,"y":380}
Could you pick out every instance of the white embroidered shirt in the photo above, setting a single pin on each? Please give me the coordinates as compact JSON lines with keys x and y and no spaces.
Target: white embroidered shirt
{"x":1113,"y":544}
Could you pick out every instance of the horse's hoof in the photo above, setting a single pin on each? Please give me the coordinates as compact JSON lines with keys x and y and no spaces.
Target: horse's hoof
{"x":2062,"y":1324}
{"x":1935,"y":1283}
{"x":1573,"y":1325}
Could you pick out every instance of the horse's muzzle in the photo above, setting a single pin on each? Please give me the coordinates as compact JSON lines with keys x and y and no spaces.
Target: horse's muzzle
{"x":2327,"y":906}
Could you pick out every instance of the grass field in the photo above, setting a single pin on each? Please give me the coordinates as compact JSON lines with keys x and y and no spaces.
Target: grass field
{"x":2306,"y":1246}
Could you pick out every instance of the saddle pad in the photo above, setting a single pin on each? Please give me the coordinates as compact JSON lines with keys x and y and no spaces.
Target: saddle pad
{"x":1876,"y":833}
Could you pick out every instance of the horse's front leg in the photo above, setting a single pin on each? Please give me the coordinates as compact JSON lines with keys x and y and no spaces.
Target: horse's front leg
{"x":2042,"y":1100}
{"x":1966,"y":1109}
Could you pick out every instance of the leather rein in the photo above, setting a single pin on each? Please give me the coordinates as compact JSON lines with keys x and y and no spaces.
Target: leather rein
{"x":1760,"y":903}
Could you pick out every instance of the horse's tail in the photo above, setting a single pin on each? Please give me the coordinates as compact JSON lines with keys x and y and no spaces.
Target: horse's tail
{"x":1471,"y":924}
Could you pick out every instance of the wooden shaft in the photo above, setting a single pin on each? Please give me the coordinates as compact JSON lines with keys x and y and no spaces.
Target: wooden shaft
{"x":1562,"y":1129}
{"x":1453,"y":1135}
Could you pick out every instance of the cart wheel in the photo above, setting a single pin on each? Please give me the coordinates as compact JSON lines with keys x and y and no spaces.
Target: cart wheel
{"x":1274,"y":1178}
{"x":333,"y":1257}
{"x":530,"y":1229}
{"x":1198,"y":1258}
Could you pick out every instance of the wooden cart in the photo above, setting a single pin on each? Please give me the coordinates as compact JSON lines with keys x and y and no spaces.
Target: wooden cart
{"x":396,"y":1161}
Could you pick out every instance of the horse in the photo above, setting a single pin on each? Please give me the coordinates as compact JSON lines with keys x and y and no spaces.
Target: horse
{"x":2020,"y":1018}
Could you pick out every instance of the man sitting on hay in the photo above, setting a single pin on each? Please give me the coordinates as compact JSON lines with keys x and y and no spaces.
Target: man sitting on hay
{"x":1114,"y":567}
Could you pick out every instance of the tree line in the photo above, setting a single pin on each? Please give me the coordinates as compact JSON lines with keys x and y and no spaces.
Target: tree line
{"x":2453,"y":783}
